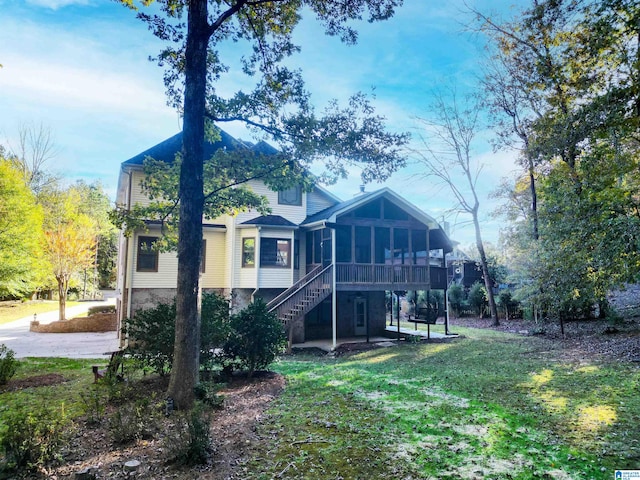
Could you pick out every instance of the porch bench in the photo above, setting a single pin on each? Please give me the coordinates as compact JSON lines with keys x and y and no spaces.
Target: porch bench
{"x":111,"y":371}
{"x":428,"y":319}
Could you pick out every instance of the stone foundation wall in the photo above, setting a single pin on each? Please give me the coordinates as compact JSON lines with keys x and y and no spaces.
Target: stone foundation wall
{"x":145,"y":298}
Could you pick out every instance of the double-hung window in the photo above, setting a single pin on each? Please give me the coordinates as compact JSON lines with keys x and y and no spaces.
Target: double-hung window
{"x":275,"y":252}
{"x":147,"y":258}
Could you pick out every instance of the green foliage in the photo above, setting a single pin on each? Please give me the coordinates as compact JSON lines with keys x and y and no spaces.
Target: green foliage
{"x":8,"y":364}
{"x":101,"y":309}
{"x":190,"y":442}
{"x":207,"y":393}
{"x":256,"y":338}
{"x":477,"y":297}
{"x":214,"y":328}
{"x":33,"y":436}
{"x":569,"y":64}
{"x":455,"y":295}
{"x":21,"y":265}
{"x":151,"y":333}
{"x":94,"y":403}
{"x":508,"y":303}
{"x":134,"y":420}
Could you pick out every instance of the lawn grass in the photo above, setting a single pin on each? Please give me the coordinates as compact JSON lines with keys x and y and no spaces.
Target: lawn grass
{"x":10,"y":311}
{"x":66,"y":396}
{"x":491,"y":405}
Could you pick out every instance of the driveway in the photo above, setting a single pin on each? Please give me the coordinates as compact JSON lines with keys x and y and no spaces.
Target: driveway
{"x":16,"y":336}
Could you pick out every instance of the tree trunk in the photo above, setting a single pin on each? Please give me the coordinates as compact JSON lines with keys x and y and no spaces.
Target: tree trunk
{"x":534,"y":198}
{"x":485,"y":271}
{"x":184,"y":372}
{"x":62,"y":297}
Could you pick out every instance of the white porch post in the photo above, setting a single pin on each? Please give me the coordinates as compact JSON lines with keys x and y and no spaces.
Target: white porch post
{"x":334,"y":294}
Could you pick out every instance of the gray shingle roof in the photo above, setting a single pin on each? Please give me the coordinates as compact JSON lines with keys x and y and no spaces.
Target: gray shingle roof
{"x":166,"y":150}
{"x":270,"y":220}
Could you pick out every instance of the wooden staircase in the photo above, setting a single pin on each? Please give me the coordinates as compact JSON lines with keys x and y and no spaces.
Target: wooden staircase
{"x":303,"y":296}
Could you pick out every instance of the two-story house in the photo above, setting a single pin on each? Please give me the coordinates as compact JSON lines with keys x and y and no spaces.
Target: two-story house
{"x":322,"y":264}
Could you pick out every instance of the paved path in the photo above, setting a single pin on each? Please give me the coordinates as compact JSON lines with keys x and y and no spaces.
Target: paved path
{"x":16,"y":336}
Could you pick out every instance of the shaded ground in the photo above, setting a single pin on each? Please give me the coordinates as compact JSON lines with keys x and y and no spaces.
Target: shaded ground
{"x":586,"y":339}
{"x":234,"y":426}
{"x":233,"y":431}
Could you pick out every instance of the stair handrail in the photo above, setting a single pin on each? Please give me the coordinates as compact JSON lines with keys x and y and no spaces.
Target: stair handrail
{"x":299,"y":285}
{"x":295,"y":286}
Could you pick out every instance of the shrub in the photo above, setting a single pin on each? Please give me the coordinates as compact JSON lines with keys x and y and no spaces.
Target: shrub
{"x":207,"y":393}
{"x":456,"y":296}
{"x":135,"y":420}
{"x":190,"y":441}
{"x":8,"y":364}
{"x":478,"y":297}
{"x":94,"y":402}
{"x":510,"y":305}
{"x":256,"y":337}
{"x":214,"y":328}
{"x":101,"y":309}
{"x":151,"y":336}
{"x":151,"y":333}
{"x":33,"y":437}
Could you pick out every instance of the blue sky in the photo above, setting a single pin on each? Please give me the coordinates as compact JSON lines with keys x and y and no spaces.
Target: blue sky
{"x":80,"y":68}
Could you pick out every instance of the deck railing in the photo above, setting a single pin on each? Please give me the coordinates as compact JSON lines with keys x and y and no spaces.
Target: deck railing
{"x":369,"y":274}
{"x":294,"y":303}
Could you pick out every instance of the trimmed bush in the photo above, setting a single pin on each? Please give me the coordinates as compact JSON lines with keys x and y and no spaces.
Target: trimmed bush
{"x":256,"y":338}
{"x":101,"y":309}
{"x":8,"y":364}
{"x":151,"y":333}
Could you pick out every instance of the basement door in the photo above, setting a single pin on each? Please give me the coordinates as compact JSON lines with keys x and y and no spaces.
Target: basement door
{"x":360,"y":316}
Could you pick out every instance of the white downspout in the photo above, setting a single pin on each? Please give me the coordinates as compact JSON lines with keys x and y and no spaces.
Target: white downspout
{"x":334,"y":293}
{"x":129,"y":255}
{"x":256,"y":255}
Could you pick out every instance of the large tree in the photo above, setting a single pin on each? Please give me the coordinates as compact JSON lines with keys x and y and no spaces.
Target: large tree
{"x":20,"y":233}
{"x":70,"y":239}
{"x":278,"y":107}
{"x":447,"y":155}
{"x":578,"y":61}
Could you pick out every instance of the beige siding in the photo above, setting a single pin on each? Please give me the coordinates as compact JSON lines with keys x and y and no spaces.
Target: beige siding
{"x":167,"y":274}
{"x":295,"y":214}
{"x":137,"y":197}
{"x":317,"y":201}
{"x":215,"y":261}
{"x":274,"y":277}
{"x":244,"y":277}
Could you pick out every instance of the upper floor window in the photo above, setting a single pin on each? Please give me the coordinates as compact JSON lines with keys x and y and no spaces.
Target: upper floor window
{"x":147,"y":259}
{"x":275,"y":252}
{"x":248,"y":252}
{"x":291,"y":196}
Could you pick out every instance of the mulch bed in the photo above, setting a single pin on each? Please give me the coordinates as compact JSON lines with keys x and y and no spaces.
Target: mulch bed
{"x":32,"y":382}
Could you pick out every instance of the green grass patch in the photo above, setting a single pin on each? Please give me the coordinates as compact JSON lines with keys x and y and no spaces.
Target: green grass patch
{"x":10,"y":311}
{"x":66,"y":395}
{"x":490,"y":405}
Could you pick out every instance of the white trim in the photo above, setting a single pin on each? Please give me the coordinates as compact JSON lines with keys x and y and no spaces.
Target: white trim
{"x":334,"y":294}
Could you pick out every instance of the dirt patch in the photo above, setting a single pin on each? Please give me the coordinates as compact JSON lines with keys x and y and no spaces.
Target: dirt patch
{"x":33,"y":382}
{"x":233,"y":431}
